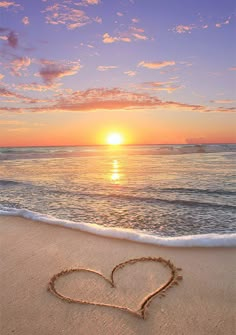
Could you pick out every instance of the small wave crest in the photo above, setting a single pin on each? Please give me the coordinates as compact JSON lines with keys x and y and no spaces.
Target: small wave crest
{"x":206,"y":240}
{"x":198,"y":191}
{"x":6,"y":182}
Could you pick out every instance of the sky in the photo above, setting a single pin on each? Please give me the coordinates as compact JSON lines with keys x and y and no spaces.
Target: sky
{"x":156,"y":71}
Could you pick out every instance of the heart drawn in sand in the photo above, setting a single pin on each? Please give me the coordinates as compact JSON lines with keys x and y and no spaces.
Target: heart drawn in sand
{"x":173,"y":279}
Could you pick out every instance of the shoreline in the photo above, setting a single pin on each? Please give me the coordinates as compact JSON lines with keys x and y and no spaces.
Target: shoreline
{"x":33,"y":252}
{"x":201,"y":240}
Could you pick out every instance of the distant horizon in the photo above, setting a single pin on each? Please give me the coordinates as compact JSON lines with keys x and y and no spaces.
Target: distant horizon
{"x":107,"y":145}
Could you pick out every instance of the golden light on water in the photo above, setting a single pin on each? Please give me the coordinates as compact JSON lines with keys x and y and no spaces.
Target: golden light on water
{"x":115,"y":172}
{"x":115,"y":176}
{"x":115,"y":139}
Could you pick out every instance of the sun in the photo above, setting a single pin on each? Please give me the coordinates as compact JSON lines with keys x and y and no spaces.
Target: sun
{"x":115,"y":139}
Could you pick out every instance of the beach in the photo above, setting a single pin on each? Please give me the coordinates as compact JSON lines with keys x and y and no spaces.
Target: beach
{"x":33,"y":252}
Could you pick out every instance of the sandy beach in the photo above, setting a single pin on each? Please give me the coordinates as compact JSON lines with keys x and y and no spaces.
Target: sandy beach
{"x":32,"y":252}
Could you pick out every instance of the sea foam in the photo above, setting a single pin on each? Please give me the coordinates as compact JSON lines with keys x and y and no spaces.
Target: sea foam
{"x":204,"y":240}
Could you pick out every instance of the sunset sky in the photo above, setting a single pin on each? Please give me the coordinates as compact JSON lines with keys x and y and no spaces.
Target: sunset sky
{"x":73,"y":71}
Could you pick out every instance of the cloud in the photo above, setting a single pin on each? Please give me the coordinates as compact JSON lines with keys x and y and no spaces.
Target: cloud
{"x":97,"y":19}
{"x":105,"y":68}
{"x":87,"y":45}
{"x":52,"y":71}
{"x":130,"y":73}
{"x":93,"y":2}
{"x":168,"y":86}
{"x":7,"y":4}
{"x":4,"y":92}
{"x":155,"y":65}
{"x":119,"y":14}
{"x":220,"y":24}
{"x":38,"y":87}
{"x":109,"y":39}
{"x":9,"y":36}
{"x":223,"y":110}
{"x":232,"y":68}
{"x":87,"y":2}
{"x":225,"y":101}
{"x":25,"y":20}
{"x":135,"y":20}
{"x":12,"y":39}
{"x":92,"y":100}
{"x":64,"y":14}
{"x":137,"y":30}
{"x":132,"y":33}
{"x":139,"y":36}
{"x":181,"y":29}
{"x":1,"y":76}
{"x":19,"y":64}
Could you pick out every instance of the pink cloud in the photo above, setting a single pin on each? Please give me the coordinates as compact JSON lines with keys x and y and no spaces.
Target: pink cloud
{"x":25,"y":20}
{"x":12,"y":39}
{"x":65,"y":14}
{"x":38,"y":87}
{"x":97,"y":19}
{"x":105,"y":68}
{"x":155,"y":65}
{"x":19,"y":64}
{"x":107,"y":99}
{"x":220,"y":24}
{"x":109,"y":39}
{"x":6,"y":93}
{"x":139,"y":36}
{"x":137,"y":30}
{"x":87,"y":2}
{"x":168,"y":86}
{"x":223,"y":101}
{"x":130,"y":73}
{"x":7,"y":4}
{"x":181,"y":29}
{"x":55,"y":70}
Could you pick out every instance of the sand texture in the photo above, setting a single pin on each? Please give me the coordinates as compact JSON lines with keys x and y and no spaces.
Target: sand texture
{"x":33,"y":256}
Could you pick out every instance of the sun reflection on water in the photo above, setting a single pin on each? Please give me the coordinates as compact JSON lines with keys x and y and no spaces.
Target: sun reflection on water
{"x":115,"y":175}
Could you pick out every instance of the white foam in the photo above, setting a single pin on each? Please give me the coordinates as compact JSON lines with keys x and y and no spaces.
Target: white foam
{"x":206,"y":240}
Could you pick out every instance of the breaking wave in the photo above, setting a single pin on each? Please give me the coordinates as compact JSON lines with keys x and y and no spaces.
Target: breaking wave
{"x":204,"y":240}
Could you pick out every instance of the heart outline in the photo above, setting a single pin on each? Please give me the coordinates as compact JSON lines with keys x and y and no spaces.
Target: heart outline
{"x":141,"y":312}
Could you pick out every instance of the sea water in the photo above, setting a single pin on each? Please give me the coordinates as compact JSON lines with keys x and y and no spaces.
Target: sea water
{"x":164,"y":194}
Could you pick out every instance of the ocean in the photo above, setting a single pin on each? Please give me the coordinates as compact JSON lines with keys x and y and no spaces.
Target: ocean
{"x":166,"y":194}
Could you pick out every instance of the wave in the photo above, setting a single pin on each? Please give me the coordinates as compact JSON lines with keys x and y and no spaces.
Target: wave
{"x":61,"y":152}
{"x":153,"y":200}
{"x":204,"y":240}
{"x":189,"y":203}
{"x":198,"y":190}
{"x":6,"y":182}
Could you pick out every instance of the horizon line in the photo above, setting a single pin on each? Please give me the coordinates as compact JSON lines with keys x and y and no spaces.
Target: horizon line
{"x":117,"y":146}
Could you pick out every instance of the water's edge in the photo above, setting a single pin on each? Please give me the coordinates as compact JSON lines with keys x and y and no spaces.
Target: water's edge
{"x":204,"y":240}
